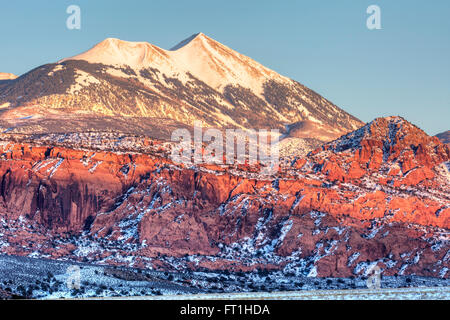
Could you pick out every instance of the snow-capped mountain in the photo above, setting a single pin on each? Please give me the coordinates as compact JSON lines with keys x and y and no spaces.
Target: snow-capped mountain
{"x":7,"y":76}
{"x":205,"y":59}
{"x":198,"y":79}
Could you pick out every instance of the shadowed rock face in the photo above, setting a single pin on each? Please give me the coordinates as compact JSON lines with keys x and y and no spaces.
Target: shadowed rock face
{"x":7,"y":76}
{"x":444,"y":137}
{"x":393,"y":140}
{"x":379,"y":195}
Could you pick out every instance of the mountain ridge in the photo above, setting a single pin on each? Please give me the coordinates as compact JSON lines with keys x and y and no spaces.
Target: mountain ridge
{"x":444,"y":137}
{"x":201,"y":80}
{"x":197,"y":47}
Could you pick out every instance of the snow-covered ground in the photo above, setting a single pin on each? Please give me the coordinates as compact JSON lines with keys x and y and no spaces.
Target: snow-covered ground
{"x":51,"y":279}
{"x":440,"y":293}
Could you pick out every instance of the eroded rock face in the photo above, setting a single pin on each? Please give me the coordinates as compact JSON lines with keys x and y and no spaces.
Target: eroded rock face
{"x":379,"y":196}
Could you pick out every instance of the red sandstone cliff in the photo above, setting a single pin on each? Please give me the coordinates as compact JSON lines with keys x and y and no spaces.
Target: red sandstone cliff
{"x":379,"y":195}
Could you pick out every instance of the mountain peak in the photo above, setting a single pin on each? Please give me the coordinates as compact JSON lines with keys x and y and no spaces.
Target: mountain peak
{"x":113,"y":51}
{"x":118,"y":43}
{"x":195,"y":37}
{"x":393,"y":139}
{"x":392,"y":129}
{"x":207,"y":59}
{"x":200,"y":74}
{"x":7,"y":76}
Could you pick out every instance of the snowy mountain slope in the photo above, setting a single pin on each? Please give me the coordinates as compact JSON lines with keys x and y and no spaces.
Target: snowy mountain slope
{"x":204,"y":58}
{"x":7,"y":76}
{"x":199,"y":79}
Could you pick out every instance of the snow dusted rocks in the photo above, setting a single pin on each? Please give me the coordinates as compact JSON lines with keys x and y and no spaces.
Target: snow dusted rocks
{"x":377,"y":196}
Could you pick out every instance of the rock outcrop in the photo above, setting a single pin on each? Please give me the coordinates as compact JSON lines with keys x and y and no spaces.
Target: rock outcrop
{"x":377,"y":196}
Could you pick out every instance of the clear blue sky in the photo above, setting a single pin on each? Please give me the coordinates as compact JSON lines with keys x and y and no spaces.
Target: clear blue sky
{"x":403,"y":69}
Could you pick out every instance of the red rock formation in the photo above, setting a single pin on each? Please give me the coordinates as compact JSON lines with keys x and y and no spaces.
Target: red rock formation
{"x":378,"y":195}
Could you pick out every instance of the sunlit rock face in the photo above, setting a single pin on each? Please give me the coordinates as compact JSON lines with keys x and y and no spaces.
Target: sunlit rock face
{"x":376,"y":196}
